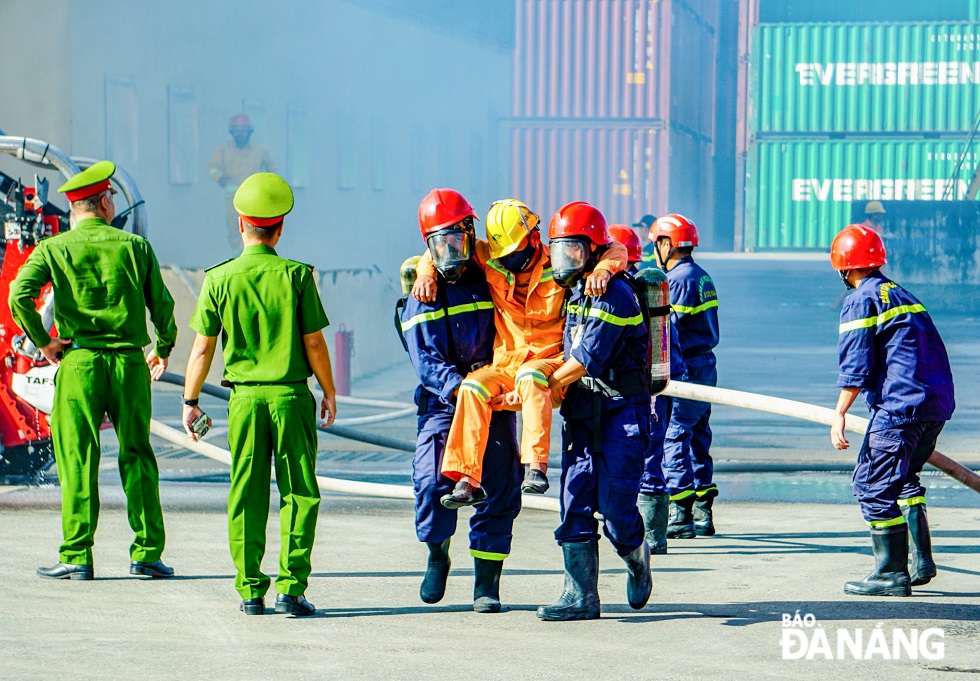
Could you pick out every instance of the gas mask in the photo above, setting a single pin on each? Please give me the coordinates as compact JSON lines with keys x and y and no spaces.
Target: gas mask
{"x":843,"y":278}
{"x":569,"y":260}
{"x":451,"y":250}
{"x":518,"y":261}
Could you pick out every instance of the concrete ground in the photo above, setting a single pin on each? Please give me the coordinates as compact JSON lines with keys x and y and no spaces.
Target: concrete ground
{"x":716,"y":611}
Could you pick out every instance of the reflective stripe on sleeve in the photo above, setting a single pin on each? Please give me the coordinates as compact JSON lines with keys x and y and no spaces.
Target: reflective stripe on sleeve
{"x":868,"y":322}
{"x":604,"y":316}
{"x":684,"y":309}
{"x":439,"y":314}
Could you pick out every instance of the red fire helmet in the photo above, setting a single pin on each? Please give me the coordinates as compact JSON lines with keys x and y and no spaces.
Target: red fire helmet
{"x":442,"y":208}
{"x":857,"y":247}
{"x":681,"y":231}
{"x":626,"y":236}
{"x":579,"y":219}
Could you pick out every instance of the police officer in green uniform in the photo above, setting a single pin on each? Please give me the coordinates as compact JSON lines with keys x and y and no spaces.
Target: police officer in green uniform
{"x":104,"y":280}
{"x":271,"y":322}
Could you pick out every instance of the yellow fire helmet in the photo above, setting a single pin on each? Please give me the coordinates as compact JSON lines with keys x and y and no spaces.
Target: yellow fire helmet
{"x":408,"y":273}
{"x":508,"y":222}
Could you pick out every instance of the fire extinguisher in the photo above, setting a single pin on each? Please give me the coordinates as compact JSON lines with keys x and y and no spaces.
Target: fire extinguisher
{"x":344,"y":345}
{"x":656,"y":298}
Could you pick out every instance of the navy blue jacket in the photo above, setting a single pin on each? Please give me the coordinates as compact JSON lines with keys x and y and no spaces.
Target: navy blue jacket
{"x":890,"y":348}
{"x":608,"y":336}
{"x":693,"y":308}
{"x":447,"y":338}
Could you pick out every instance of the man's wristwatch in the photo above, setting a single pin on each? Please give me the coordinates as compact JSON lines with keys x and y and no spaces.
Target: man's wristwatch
{"x":189,"y":403}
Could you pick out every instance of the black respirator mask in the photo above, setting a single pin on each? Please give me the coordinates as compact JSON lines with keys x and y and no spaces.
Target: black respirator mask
{"x":843,"y":278}
{"x":451,"y":250}
{"x":518,"y":261}
{"x":570,"y":259}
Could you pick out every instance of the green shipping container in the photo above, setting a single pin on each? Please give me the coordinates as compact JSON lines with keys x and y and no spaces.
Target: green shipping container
{"x":859,"y":78}
{"x":798,"y":193}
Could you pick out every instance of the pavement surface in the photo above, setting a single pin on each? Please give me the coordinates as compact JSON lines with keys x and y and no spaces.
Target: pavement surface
{"x":717,"y":609}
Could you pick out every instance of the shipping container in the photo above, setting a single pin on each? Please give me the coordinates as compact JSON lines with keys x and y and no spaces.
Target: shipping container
{"x":625,"y":170}
{"x":798,"y":193}
{"x":864,"y":78}
{"x":616,"y":59}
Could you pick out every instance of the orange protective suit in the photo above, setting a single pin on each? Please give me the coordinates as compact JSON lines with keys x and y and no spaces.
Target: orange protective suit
{"x":527,"y":350}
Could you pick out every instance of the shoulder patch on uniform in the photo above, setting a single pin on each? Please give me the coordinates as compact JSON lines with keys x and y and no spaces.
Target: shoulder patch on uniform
{"x":883,"y":292}
{"x":219,"y":264}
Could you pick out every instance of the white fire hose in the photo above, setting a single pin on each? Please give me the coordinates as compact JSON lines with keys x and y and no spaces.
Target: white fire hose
{"x":722,"y":396}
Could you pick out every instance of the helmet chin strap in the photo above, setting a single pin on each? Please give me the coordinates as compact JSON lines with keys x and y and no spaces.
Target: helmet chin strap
{"x":661,"y":263}
{"x":843,"y":277}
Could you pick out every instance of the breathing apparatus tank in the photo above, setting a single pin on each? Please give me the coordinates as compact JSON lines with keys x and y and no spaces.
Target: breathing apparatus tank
{"x":655,"y":296}
{"x":409,"y":273}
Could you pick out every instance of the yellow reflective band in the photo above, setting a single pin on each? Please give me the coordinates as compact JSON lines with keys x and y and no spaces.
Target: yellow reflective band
{"x":650,"y":257}
{"x":534,"y":375}
{"x":682,"y":495}
{"x":547,"y":274}
{"x":885,"y":316}
{"x":510,"y":277}
{"x":635,"y":320}
{"x":470,"y":307}
{"x":488,"y":555}
{"x":703,"y":492}
{"x":877,"y":524}
{"x":912,"y":501}
{"x":475,"y":387}
{"x":421,"y":318}
{"x":684,"y":309}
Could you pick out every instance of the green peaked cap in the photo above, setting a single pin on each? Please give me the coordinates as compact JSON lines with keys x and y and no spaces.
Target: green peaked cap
{"x":96,"y":174}
{"x":264,"y":195}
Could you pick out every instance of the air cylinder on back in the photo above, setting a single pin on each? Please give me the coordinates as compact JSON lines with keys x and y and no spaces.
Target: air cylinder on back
{"x":656,"y":295}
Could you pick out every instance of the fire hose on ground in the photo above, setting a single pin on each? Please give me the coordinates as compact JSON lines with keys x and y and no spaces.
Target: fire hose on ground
{"x":721,"y":396}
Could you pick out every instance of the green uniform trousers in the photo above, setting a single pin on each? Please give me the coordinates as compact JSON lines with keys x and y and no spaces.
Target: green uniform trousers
{"x":266,"y":422}
{"x":90,"y":384}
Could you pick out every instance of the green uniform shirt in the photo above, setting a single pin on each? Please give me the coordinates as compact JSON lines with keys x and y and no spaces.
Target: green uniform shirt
{"x":104,"y":280}
{"x":262,"y":305}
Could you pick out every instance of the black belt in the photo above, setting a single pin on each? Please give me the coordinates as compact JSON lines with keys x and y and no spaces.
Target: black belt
{"x":625,"y":384}
{"x":228,"y":384}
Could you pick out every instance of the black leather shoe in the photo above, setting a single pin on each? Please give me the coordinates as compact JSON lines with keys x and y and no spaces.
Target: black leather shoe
{"x":464,"y":494}
{"x":253,"y":606}
{"x":155,"y":570}
{"x":294,"y":605}
{"x":66,"y":571}
{"x":535,"y":482}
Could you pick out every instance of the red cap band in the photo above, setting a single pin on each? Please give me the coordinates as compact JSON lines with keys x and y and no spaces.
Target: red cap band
{"x":262,"y":222}
{"x":91,"y":190}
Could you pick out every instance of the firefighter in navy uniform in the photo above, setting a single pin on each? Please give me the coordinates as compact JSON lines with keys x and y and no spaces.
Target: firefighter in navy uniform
{"x":648,"y":253}
{"x":891,"y":351}
{"x":654,"y":498}
{"x":607,"y":419}
{"x":688,"y":467}
{"x":447,"y":339}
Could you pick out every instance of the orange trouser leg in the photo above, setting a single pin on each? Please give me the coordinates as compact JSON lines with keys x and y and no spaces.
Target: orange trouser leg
{"x":471,"y":424}
{"x":536,"y":405}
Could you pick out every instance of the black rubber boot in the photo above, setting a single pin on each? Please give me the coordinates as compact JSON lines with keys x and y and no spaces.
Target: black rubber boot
{"x":436,"y":573}
{"x":704,"y":525}
{"x":579,"y":599}
{"x":923,"y":567}
{"x":639,"y":582}
{"x":653,"y":509}
{"x":680,"y":524}
{"x":486,"y":586}
{"x":891,"y":574}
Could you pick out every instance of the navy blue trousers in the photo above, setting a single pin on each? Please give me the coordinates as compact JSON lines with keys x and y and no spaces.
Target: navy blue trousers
{"x":606,"y":482}
{"x":888,"y":468}
{"x":687,"y":462}
{"x":492,"y":523}
{"x":653,"y":481}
